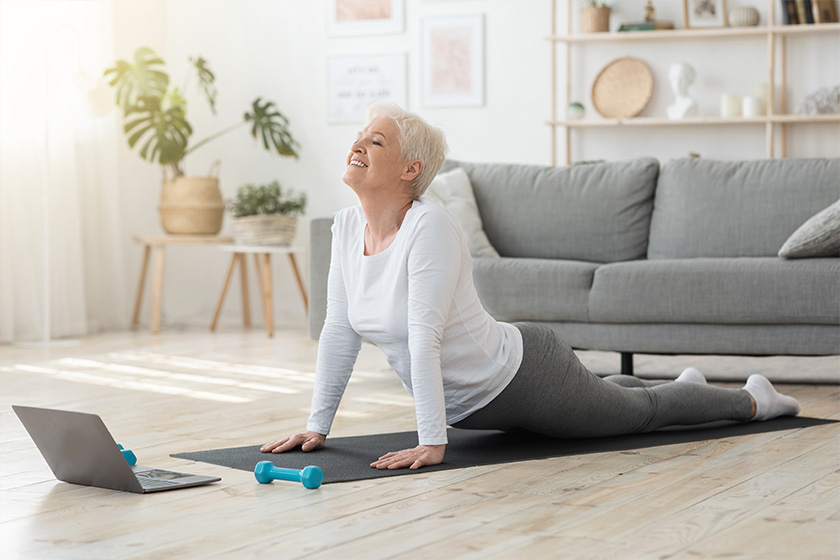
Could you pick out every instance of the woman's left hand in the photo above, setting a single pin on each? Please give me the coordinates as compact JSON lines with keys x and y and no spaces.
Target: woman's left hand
{"x":420,"y":456}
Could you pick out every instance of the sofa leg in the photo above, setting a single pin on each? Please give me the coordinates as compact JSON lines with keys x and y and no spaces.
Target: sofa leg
{"x":626,"y":363}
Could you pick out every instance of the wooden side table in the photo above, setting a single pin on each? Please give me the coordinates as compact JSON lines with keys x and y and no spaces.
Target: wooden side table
{"x":262,"y":263}
{"x":156,"y":246}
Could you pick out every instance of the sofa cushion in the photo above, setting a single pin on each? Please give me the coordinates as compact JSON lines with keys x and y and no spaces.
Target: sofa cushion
{"x":818,"y":237}
{"x":596,"y":213}
{"x":730,"y":291}
{"x":708,"y":208}
{"x":533,"y":289}
{"x":453,"y":191}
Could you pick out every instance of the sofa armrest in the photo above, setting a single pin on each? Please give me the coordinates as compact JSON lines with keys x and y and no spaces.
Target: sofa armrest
{"x":320,"y":241}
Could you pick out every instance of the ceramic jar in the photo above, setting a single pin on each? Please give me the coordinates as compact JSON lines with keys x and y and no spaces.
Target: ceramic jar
{"x":743,"y":16}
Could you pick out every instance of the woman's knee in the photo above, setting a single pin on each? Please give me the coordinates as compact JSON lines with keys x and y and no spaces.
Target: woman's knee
{"x":624,"y":380}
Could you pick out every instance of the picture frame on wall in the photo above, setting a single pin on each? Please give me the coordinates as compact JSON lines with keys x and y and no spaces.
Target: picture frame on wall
{"x":356,"y":81}
{"x":365,"y":17}
{"x":453,"y":61}
{"x":703,"y":14}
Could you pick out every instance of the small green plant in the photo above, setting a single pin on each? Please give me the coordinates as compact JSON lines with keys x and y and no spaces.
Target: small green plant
{"x":595,"y":4}
{"x":254,"y":200}
{"x":156,"y":115}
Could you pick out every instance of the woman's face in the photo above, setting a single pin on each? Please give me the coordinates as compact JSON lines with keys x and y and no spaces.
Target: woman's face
{"x":374,"y":159}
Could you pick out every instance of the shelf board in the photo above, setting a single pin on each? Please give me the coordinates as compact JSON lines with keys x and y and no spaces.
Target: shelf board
{"x":698,"y":121}
{"x":807,"y":29}
{"x":672,"y":34}
{"x":804,"y":118}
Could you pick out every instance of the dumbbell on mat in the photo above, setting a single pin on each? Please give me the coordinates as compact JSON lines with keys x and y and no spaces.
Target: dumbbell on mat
{"x":310,"y":477}
{"x":128,"y":454}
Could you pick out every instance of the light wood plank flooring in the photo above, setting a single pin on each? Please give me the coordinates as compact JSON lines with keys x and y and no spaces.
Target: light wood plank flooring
{"x":774,"y":495}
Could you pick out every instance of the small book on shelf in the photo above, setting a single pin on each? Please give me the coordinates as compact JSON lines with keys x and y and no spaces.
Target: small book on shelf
{"x":803,"y":11}
{"x":824,"y":11}
{"x":791,"y":17}
{"x":647,"y":26}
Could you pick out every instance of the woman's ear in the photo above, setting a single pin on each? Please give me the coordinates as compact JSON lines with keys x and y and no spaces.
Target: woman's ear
{"x":412,"y":170}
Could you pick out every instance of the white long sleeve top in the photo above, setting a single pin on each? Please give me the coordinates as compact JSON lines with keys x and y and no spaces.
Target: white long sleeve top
{"x":416,"y":301}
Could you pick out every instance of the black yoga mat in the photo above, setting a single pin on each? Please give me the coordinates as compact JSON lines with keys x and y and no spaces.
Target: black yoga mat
{"x":348,"y":458}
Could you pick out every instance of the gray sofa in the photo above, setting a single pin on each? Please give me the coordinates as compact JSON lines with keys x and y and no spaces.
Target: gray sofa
{"x":636,"y":258}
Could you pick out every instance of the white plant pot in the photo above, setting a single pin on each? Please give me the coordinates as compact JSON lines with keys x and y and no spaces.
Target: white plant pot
{"x":274,"y":229}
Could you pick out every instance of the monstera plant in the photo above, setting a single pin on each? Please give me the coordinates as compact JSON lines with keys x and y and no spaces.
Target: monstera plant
{"x":155,"y":122}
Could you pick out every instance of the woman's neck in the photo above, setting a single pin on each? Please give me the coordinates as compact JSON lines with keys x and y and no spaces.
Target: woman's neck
{"x":384,"y":219}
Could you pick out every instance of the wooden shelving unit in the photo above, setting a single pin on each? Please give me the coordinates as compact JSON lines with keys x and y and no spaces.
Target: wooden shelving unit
{"x":777,"y":116}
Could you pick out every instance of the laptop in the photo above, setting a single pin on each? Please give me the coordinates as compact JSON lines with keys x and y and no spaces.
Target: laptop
{"x":79,"y":449}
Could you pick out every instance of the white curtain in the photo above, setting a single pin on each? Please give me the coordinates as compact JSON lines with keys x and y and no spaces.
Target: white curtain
{"x":52,"y":100}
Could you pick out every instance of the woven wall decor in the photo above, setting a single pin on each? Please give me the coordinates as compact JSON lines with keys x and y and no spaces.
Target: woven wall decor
{"x":623,"y":88}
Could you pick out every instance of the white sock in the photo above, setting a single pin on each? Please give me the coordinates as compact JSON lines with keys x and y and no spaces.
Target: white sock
{"x":768,"y":402}
{"x":691,"y":375}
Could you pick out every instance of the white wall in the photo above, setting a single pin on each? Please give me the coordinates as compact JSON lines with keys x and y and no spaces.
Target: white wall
{"x":278,"y":48}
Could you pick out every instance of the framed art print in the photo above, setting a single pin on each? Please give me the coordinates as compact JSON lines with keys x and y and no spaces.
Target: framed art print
{"x":705,"y":13}
{"x":356,"y":81}
{"x":365,"y":17}
{"x":453,"y":61}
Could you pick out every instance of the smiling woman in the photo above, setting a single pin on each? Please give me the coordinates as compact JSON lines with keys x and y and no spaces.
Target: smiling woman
{"x":401,"y":277}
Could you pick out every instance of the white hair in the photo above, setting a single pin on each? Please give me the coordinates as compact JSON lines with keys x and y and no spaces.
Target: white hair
{"x":418,"y":140}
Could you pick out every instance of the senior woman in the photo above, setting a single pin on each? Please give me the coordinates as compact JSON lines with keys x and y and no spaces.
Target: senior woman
{"x":401,"y":277}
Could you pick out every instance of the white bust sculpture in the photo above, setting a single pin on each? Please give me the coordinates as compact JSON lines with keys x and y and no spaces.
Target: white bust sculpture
{"x":681,"y":76}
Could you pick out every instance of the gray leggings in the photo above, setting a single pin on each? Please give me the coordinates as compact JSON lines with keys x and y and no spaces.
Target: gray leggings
{"x":553,"y":394}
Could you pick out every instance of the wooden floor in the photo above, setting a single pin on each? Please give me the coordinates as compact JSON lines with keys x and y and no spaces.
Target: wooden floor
{"x":772,"y":495}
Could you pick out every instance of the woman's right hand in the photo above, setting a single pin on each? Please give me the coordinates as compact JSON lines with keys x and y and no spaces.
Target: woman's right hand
{"x":307,"y":441}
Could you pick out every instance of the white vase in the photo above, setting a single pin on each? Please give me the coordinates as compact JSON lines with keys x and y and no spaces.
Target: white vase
{"x":751,"y":106}
{"x":743,"y":16}
{"x":730,"y":105}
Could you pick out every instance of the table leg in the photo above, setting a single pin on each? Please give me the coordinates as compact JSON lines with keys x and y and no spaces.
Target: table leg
{"x":299,"y":281}
{"x":269,"y":308}
{"x":231,"y":268}
{"x":258,"y":268}
{"x":158,"y":260}
{"x":138,"y":300}
{"x":246,"y":304}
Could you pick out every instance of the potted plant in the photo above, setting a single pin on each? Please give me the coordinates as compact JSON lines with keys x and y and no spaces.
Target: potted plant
{"x":155,"y":120}
{"x":265,"y":214}
{"x":594,"y":17}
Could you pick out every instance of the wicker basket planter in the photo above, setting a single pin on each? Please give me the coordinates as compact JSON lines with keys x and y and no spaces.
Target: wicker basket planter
{"x":273,"y":229}
{"x":191,"y":205}
{"x":594,"y":19}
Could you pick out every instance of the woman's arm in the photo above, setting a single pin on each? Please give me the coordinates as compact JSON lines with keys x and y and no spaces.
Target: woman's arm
{"x":435,"y":262}
{"x":337,"y":352}
{"x":339,"y":344}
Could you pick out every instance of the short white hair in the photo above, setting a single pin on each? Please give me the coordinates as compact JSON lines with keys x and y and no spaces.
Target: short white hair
{"x":418,"y":140}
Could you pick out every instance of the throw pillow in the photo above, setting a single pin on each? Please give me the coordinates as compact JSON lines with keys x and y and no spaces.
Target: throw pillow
{"x":818,"y":237}
{"x":454,"y":192}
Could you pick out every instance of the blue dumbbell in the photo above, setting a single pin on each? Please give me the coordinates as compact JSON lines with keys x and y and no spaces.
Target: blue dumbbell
{"x":129,"y":455}
{"x":310,"y":477}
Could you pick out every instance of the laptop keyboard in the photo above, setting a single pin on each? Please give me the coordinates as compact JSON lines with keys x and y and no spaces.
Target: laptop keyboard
{"x":155,"y":483}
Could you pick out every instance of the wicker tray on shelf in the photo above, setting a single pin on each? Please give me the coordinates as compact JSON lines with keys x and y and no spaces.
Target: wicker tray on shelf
{"x":623,"y":88}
